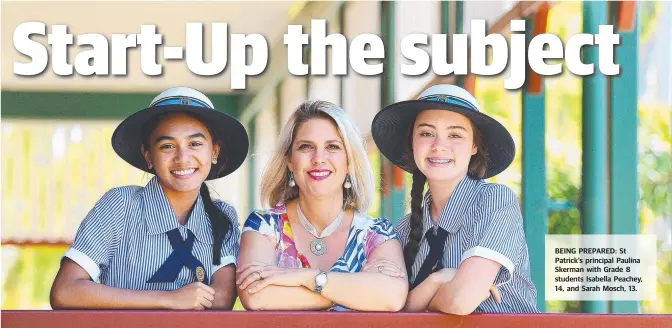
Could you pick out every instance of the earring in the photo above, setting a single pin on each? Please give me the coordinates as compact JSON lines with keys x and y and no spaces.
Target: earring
{"x":291,"y":179}
{"x":347,"y":184}
{"x":214,"y":161}
{"x":149,"y":165}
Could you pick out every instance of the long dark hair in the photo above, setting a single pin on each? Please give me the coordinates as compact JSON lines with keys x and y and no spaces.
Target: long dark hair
{"x":477,"y":169}
{"x":220,"y":221}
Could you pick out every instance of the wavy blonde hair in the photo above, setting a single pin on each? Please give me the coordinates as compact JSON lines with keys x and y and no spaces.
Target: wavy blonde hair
{"x":275,"y":187}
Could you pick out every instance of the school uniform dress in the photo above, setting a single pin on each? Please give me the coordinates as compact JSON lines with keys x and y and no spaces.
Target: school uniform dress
{"x":365,"y":234}
{"x":480,"y":219}
{"x":130,"y":237}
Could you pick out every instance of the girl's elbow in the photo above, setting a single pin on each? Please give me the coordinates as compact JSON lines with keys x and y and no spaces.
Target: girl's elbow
{"x":460,"y":305}
{"x":226,"y":305}
{"x":458,"y":302}
{"x":58,"y":298}
{"x":226,"y":301}
{"x":462,"y":309}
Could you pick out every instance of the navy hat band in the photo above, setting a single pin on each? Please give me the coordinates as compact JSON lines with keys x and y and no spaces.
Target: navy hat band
{"x":451,"y":100}
{"x":129,"y":135}
{"x":181,"y":101}
{"x":390,"y":127}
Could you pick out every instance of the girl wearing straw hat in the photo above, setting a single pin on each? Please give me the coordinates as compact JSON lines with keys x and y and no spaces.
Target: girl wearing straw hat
{"x":167,"y":245}
{"x":464,"y":235}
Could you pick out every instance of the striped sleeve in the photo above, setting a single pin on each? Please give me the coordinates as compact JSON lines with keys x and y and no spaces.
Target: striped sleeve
{"x":498,"y":234}
{"x":266,"y":224}
{"x":231,"y":243}
{"x":404,"y":229}
{"x":98,"y":235}
{"x":380,"y":231}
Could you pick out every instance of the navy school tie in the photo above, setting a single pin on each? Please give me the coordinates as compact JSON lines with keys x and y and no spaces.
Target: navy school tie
{"x":436,"y":238}
{"x":180,"y":257}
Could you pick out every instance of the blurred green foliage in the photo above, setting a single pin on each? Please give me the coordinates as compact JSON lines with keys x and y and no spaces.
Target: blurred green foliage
{"x":28,"y":273}
{"x":563,"y":140}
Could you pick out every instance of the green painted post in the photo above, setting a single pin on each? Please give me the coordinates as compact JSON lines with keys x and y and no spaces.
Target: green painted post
{"x":534,"y":194}
{"x":341,"y":82}
{"x":251,"y":176}
{"x":459,"y":28}
{"x":389,"y":196}
{"x":445,"y":22}
{"x":594,"y":105}
{"x":306,"y":55}
{"x":278,"y":107}
{"x":624,"y":213}
{"x":398,"y":199}
{"x":459,"y":16}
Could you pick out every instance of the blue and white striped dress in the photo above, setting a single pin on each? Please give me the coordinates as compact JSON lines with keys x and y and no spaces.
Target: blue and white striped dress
{"x":482,"y":219}
{"x":122,"y":241}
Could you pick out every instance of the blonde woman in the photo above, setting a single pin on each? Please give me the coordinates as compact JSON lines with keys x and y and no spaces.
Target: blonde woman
{"x":310,"y":249}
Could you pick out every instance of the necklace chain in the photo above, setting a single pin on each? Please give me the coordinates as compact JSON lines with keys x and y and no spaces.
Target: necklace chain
{"x":310,"y":228}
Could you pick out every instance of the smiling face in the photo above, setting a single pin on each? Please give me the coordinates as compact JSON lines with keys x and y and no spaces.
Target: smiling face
{"x":443,"y":143}
{"x":181,"y":152}
{"x":318,"y":159}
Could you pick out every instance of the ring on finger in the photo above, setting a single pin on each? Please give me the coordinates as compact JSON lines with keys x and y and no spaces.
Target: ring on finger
{"x":380,"y":268}
{"x":259,"y":273}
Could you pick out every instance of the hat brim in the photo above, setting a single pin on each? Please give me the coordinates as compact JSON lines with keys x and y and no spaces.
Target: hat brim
{"x":390,"y":128}
{"x":127,"y":137}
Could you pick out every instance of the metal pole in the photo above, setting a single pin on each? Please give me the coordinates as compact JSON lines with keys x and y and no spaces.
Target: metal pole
{"x":594,"y":179}
{"x":392,"y":200}
{"x":534,"y":194}
{"x":624,"y":212}
{"x":459,"y":27}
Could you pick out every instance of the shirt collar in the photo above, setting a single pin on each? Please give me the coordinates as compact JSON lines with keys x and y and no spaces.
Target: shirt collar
{"x":454,"y":213}
{"x":160,"y":217}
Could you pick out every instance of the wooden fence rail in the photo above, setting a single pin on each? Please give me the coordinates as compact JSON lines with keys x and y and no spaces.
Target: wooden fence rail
{"x":223,"y":319}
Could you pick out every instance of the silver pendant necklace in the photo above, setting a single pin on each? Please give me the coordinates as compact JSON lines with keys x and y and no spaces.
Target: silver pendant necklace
{"x":318,"y":246}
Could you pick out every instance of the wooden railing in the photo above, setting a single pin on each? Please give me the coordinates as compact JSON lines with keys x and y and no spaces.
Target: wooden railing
{"x":216,"y":319}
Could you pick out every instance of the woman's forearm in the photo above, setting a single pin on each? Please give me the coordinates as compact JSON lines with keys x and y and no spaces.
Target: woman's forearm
{"x":366,"y":291}
{"x":88,"y":294}
{"x":284,"y":298}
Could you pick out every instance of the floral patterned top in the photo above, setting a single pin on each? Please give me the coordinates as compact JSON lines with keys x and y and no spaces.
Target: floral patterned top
{"x":366,"y":233}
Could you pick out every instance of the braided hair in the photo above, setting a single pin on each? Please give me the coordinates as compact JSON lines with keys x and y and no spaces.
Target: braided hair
{"x":415,"y":222}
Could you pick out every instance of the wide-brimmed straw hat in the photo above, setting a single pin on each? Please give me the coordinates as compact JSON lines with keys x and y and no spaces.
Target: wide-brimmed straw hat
{"x":391,"y":126}
{"x":127,"y":138}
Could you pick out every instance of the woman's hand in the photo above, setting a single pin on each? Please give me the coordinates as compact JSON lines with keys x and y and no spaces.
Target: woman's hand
{"x":251,"y":274}
{"x":385,"y":267}
{"x":287,"y":278}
